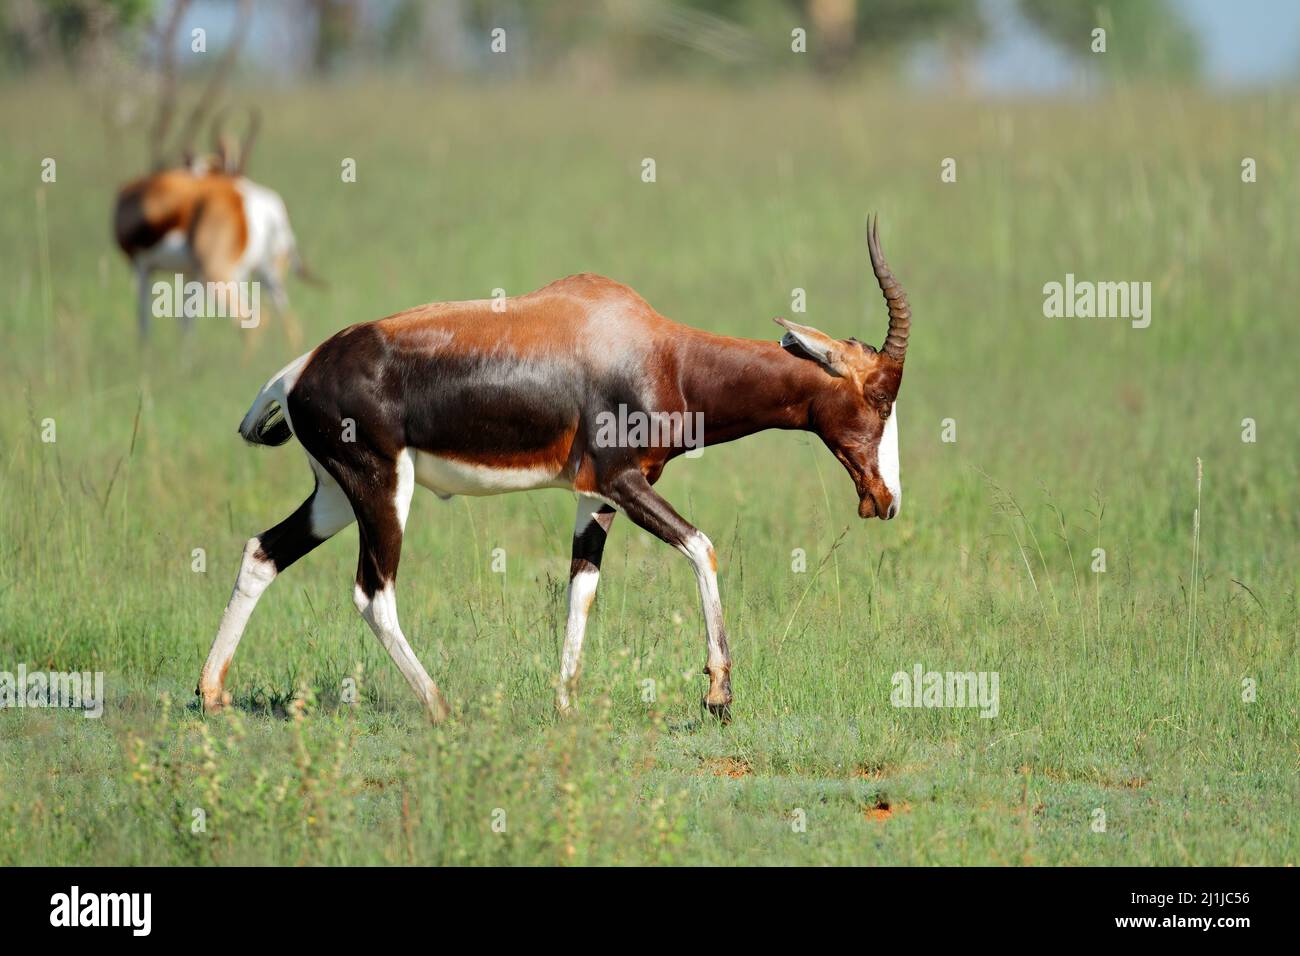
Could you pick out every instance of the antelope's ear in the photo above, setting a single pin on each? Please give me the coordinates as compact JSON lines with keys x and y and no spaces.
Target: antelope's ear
{"x":816,"y":345}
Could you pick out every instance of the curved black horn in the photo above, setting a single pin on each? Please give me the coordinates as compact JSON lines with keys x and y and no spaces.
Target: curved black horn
{"x":900,"y":315}
{"x":250,"y":137}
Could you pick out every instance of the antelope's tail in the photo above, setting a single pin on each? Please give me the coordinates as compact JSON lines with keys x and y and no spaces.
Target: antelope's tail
{"x":266,"y":423}
{"x":303,"y":271}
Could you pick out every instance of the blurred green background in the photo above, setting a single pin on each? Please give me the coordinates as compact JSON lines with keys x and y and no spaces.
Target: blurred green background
{"x":1121,"y":691}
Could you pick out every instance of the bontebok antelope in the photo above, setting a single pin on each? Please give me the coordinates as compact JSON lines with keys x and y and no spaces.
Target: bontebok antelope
{"x":201,"y":216}
{"x":468,"y":400}
{"x":207,"y":220}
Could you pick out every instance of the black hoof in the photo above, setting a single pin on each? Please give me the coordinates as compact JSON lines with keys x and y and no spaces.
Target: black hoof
{"x":722,"y":712}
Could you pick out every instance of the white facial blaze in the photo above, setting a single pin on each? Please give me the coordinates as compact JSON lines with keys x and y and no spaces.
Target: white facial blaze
{"x":887,"y":458}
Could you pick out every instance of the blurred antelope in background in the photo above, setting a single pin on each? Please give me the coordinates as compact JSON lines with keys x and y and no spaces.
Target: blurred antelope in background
{"x":200,"y":216}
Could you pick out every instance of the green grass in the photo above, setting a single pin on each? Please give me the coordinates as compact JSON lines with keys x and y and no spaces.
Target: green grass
{"x":1071,"y":435}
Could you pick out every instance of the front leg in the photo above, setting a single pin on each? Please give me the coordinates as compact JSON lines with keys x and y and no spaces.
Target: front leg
{"x":631,"y":493}
{"x":589,"y":532}
{"x":143,"y":303}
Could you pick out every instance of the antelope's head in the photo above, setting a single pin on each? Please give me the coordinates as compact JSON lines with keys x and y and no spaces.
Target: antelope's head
{"x":229,"y":155}
{"x":856,"y":413}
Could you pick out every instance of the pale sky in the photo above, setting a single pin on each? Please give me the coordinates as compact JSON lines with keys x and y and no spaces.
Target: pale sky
{"x":1245,"y":42}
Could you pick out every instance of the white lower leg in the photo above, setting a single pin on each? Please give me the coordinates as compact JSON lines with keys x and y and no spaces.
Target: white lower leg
{"x":380,"y":612}
{"x":589,"y":530}
{"x":255,"y":575}
{"x":582,"y":592}
{"x":703,"y":558}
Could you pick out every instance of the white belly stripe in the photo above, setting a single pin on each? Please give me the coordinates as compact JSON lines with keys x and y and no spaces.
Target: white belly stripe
{"x":447,"y":476}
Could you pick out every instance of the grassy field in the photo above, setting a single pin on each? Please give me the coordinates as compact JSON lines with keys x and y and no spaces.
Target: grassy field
{"x":1120,"y":692}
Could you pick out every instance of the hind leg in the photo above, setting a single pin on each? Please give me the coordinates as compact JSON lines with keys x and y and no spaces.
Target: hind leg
{"x":273,"y":279}
{"x":381,"y":520}
{"x":325,"y":513}
{"x":589,"y":532}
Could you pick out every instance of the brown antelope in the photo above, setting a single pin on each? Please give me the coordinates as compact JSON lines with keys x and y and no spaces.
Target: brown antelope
{"x":204,"y":218}
{"x":464,"y":399}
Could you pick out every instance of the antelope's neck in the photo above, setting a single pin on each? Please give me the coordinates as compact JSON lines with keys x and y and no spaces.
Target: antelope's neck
{"x":744,"y":386}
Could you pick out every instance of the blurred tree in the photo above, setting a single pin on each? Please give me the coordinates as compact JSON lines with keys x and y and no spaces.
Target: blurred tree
{"x":400,"y":36}
{"x":39,"y":32}
{"x":335,"y":32}
{"x":1142,"y":36}
{"x":891,"y":27}
{"x":756,"y":33}
{"x":596,"y":39}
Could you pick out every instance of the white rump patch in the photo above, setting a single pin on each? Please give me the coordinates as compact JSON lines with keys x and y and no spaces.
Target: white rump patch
{"x":269,"y":236}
